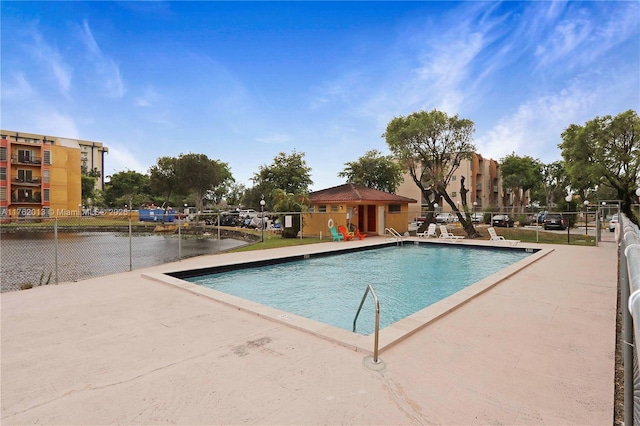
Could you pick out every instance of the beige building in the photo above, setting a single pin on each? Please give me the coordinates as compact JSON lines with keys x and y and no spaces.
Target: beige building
{"x":481,"y":179}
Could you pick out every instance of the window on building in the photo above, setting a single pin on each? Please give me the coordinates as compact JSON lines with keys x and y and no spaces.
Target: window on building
{"x":25,"y":195}
{"x":3,"y":194}
{"x":394,"y":208}
{"x":26,"y":156}
{"x":45,"y":176}
{"x":47,"y":157}
{"x":45,"y":212}
{"x":335,"y":209}
{"x":46,"y":194}
{"x":3,"y":173}
{"x":454,"y":194}
{"x":311,"y":209}
{"x":322,"y":208}
{"x":3,"y":153}
{"x":25,"y":175}
{"x":453,"y":177}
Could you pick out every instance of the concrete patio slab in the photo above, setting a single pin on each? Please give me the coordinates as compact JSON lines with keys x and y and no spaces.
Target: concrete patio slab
{"x":537,"y":348}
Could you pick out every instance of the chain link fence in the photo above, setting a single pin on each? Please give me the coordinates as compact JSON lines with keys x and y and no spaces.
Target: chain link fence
{"x":35,"y":252}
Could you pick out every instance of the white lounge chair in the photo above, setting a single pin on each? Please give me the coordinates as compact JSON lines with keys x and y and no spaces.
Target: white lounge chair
{"x":445,"y":234}
{"x":430,"y":232}
{"x":495,"y":237}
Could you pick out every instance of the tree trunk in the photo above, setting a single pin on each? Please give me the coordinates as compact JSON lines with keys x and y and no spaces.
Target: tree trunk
{"x":467,"y":224}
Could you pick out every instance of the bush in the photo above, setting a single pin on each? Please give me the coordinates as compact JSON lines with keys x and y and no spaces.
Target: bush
{"x":523,"y":220}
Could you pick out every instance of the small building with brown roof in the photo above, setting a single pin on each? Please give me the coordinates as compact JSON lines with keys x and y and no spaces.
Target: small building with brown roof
{"x":356,"y":206}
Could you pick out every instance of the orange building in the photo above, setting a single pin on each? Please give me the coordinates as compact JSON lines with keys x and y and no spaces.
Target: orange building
{"x":40,"y":176}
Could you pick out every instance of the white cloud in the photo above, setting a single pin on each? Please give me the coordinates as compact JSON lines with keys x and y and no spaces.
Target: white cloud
{"x":55,"y":124}
{"x":120,"y":158}
{"x":149,"y":97}
{"x":587,"y":34}
{"x":106,"y":69}
{"x":51,"y":59}
{"x":17,"y":88}
{"x":536,"y":126}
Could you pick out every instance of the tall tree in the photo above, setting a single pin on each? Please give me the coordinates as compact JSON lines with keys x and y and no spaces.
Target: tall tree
{"x":127,"y":188}
{"x":606,"y":150}
{"x":289,"y":173}
{"x":520,"y":174}
{"x":374,"y":170}
{"x":198,"y":175}
{"x":432,"y":145}
{"x":554,"y":183}
{"x":234,"y":193}
{"x":290,"y":202}
{"x":88,"y":183}
{"x":163,"y":179}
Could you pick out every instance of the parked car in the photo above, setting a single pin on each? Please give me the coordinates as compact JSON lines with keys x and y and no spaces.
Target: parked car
{"x":613,"y":222}
{"x":249,"y":212}
{"x":502,"y":220}
{"x":445,"y":218}
{"x":477,"y":217}
{"x":539,"y":217}
{"x":554,"y":221}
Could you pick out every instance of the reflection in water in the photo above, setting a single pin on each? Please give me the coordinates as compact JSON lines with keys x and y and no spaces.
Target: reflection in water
{"x":31,"y":257}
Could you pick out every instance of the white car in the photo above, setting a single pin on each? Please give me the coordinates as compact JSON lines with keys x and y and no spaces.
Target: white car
{"x":445,"y":218}
{"x":249,"y":212}
{"x":613,"y":222}
{"x":477,"y":217}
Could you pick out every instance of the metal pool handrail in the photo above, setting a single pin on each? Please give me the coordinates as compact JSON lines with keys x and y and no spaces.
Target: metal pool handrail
{"x":377,"y":329}
{"x":395,"y":233}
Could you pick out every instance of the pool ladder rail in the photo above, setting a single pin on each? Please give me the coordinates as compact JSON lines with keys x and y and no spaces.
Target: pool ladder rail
{"x":398,"y":236}
{"x":377,"y":329}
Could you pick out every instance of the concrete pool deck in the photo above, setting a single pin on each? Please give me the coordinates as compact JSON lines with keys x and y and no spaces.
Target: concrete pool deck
{"x":537,"y":348}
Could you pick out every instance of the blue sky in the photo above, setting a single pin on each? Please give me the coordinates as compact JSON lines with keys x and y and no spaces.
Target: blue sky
{"x":243,"y":81}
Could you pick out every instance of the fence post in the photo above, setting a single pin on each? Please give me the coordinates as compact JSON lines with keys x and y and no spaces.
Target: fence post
{"x":179,"y":243}
{"x":130,"y":247}
{"x":55,"y":243}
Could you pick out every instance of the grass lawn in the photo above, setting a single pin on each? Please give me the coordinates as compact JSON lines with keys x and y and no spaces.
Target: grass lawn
{"x":529,"y":235}
{"x":525,"y":235}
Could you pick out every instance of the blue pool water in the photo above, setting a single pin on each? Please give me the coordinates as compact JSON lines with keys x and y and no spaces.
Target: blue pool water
{"x":329,"y":288}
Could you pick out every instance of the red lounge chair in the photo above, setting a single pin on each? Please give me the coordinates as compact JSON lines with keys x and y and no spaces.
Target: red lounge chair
{"x":359,"y":235}
{"x":346,"y":234}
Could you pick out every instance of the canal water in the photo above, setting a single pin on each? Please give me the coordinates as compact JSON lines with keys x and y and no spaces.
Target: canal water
{"x":30,"y":258}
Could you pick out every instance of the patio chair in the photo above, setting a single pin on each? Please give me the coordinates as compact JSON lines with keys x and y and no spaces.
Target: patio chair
{"x":336,"y":235}
{"x":495,"y":237}
{"x":429,"y":232}
{"x":445,"y":234}
{"x":358,"y":235}
{"x":346,"y":234}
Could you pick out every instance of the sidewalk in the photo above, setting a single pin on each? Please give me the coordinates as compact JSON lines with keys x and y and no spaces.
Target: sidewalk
{"x":536,"y":349}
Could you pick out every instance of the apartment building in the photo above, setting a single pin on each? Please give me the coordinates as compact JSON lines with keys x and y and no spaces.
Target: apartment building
{"x":40,"y":176}
{"x":481,"y":179}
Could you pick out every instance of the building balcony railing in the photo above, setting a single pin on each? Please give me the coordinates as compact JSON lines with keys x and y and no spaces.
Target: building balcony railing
{"x":27,"y":182}
{"x":26,"y":200}
{"x":18,"y":159}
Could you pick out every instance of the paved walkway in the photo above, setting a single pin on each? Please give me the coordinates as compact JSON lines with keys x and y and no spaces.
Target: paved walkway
{"x":536,"y":349}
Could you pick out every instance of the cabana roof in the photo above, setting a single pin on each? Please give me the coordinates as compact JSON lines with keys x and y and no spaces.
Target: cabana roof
{"x":358,"y":194}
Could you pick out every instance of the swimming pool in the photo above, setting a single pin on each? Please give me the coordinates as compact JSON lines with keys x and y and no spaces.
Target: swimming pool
{"x":329,"y":289}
